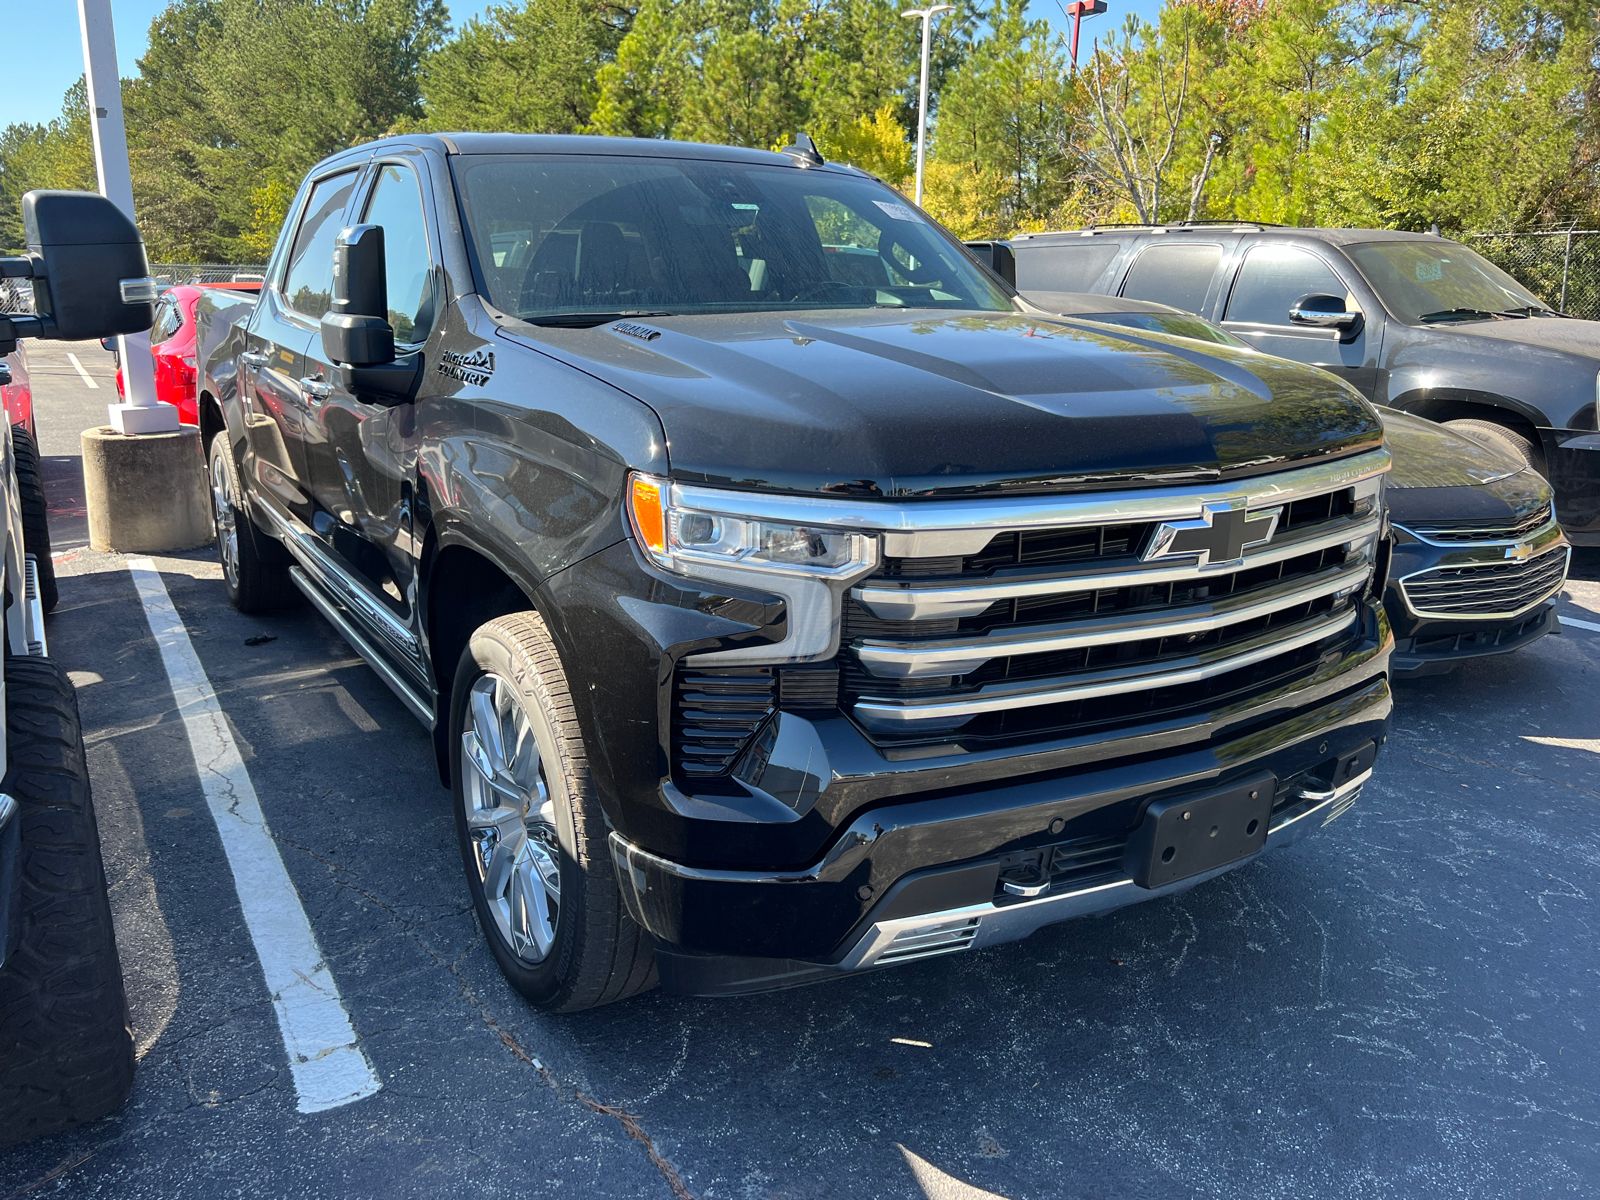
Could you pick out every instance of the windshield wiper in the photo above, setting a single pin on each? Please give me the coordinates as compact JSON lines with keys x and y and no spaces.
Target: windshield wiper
{"x":1457,"y":314}
{"x":588,"y":320}
{"x":1529,"y":310}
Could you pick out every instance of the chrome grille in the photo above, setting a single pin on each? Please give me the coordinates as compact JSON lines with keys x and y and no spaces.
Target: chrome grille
{"x":1454,"y":532}
{"x":1487,"y":590}
{"x":1041,"y":630}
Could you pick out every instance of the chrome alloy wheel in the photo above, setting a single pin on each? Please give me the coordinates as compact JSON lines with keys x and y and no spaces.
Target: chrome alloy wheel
{"x":511,"y":818}
{"x":222,"y":515}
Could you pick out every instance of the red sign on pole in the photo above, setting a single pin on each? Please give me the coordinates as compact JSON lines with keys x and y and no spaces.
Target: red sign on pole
{"x":1078,"y":10}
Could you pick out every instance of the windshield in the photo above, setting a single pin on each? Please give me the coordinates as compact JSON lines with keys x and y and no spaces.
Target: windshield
{"x":1422,"y":282}
{"x":1177,"y":324}
{"x":563,"y":236}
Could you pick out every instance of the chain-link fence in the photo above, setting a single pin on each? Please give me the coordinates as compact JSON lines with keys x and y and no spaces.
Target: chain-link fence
{"x":1560,"y":266}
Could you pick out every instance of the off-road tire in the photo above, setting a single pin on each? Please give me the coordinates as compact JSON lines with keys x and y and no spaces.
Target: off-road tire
{"x":66,"y":1056}
{"x":599,"y":955}
{"x":35,"y":514}
{"x":261,"y":582}
{"x":1498,"y":437}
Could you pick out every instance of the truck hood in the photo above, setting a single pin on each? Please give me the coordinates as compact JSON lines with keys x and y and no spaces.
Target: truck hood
{"x":1569,"y":335}
{"x":909,"y":404}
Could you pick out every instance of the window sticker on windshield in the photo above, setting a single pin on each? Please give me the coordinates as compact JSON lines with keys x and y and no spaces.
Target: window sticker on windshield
{"x":898,"y":211}
{"x":1430,"y":272}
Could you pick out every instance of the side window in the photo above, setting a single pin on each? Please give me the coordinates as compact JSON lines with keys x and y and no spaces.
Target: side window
{"x":1175,"y":273}
{"x":1073,"y":267}
{"x":396,"y":204}
{"x":308,"y":279}
{"x":167,"y":322}
{"x":1273,"y":278}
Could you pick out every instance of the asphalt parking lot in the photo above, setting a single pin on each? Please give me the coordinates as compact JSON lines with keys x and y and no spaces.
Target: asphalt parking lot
{"x":1404,"y":1005}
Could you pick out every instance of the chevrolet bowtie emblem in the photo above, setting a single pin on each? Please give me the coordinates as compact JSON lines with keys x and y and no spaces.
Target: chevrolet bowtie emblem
{"x":1520,"y":553}
{"x":1218,"y":537}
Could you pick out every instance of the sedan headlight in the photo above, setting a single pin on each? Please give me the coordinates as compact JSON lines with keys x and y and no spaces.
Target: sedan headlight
{"x":720,"y":537}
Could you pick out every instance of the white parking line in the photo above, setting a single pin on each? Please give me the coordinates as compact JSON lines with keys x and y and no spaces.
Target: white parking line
{"x":1589,"y":625}
{"x":77,"y":366}
{"x":328,"y":1064}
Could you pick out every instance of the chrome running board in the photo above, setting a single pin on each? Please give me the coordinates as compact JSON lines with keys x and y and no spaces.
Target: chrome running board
{"x":409,"y":696}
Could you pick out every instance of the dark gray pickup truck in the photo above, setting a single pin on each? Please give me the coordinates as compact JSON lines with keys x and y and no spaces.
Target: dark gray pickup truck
{"x":783,"y":598}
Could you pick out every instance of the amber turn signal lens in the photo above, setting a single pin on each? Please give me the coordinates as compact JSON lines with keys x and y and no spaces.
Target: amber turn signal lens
{"x":649,"y":513}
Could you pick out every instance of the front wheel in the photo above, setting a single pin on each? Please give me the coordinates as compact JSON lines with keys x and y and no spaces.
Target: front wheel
{"x":255,"y":569}
{"x":66,"y":1056}
{"x":533,"y":838}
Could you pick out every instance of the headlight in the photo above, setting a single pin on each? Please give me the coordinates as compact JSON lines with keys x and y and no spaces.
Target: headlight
{"x":719,"y":537}
{"x":686,"y":538}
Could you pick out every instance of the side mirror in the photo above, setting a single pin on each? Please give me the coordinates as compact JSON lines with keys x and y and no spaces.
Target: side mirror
{"x":1322,"y":311}
{"x":90,"y":277}
{"x":998,"y":257}
{"x":357,"y":333}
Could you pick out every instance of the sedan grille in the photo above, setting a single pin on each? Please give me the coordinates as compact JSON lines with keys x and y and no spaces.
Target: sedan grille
{"x":1487,"y":590}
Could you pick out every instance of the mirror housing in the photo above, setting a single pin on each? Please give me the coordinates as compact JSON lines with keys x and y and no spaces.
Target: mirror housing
{"x":90,"y":276}
{"x":356,"y":331}
{"x":998,"y":257}
{"x":1322,"y":311}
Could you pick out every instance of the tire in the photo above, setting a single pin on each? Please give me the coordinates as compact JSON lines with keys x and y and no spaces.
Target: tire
{"x":597,"y":955}
{"x":35,"y":514}
{"x":1498,"y":437}
{"x":255,"y":570}
{"x":66,"y":1056}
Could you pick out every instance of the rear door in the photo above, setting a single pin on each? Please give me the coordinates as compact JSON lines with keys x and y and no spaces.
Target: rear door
{"x":278,"y":419}
{"x":1271,"y":277}
{"x":361,"y":449}
{"x":1182,"y":272}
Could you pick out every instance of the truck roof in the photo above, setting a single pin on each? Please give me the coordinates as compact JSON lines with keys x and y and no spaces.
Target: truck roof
{"x":586,"y":145}
{"x":1337,"y":237}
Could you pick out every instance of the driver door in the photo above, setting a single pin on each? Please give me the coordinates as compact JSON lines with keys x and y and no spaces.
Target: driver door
{"x":1270,"y":280}
{"x":362,"y":460}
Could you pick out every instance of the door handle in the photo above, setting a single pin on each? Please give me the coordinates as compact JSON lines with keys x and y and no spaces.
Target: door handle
{"x":314,"y":387}
{"x":253,"y":358}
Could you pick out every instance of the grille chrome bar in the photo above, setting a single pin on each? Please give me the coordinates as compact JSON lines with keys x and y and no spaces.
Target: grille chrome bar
{"x":913,"y":660}
{"x":929,"y":528}
{"x":933,"y":601}
{"x":946,"y":713}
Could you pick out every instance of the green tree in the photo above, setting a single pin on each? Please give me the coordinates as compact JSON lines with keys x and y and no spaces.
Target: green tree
{"x":528,"y":68}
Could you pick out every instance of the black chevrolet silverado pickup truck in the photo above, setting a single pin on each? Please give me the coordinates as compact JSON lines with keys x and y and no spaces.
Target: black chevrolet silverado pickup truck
{"x":784,"y":599}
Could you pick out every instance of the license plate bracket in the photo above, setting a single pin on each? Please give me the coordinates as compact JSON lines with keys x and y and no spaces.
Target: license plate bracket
{"x":1181,"y":836}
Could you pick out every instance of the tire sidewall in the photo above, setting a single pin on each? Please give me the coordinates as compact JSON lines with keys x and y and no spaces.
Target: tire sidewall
{"x":218,"y":449}
{"x":541,"y":982}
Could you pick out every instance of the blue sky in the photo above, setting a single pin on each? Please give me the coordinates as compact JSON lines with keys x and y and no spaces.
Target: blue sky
{"x":51,"y":56}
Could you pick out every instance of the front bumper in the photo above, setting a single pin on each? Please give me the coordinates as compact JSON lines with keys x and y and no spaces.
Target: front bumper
{"x":10,"y":876}
{"x":925,"y":877}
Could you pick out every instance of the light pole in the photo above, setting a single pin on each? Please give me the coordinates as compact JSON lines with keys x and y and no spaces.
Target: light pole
{"x":926,"y":15}
{"x":142,"y":413}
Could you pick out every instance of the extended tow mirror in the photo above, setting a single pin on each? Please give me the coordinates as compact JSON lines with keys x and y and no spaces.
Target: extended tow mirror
{"x":1322,"y":311}
{"x":998,"y":257}
{"x":357,"y":333}
{"x":87,"y":264}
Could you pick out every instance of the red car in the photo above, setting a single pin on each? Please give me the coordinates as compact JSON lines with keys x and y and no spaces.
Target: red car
{"x":16,"y":394}
{"x":172,"y":345}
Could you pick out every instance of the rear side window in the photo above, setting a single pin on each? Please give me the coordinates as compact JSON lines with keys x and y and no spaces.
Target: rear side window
{"x":308,"y":280}
{"x":1273,"y":278}
{"x":168,"y":321}
{"x":1175,"y":273}
{"x":1066,"y":267}
{"x":396,"y":205}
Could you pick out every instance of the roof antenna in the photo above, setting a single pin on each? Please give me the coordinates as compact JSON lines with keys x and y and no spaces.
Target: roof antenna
{"x":804,"y":147}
